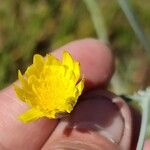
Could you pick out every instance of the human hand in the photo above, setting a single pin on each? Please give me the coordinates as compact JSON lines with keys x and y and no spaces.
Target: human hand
{"x":95,"y":122}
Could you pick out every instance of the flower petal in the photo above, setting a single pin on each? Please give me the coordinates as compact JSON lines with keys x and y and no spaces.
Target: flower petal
{"x":25,"y":96}
{"x":77,"y":70}
{"x":51,"y":60}
{"x":38,"y":60}
{"x":67,"y":60}
{"x":33,"y":70}
{"x":22,"y":80}
{"x":80,"y":86}
{"x":30,"y":115}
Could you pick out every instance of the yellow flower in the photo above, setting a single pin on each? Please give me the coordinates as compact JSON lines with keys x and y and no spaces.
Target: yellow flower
{"x":51,"y":87}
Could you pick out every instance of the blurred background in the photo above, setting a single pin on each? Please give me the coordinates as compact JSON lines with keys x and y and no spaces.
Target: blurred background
{"x":39,"y":26}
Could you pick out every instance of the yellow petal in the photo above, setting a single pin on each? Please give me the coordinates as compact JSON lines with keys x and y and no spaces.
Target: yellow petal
{"x":51,"y":115}
{"x":24,"y":95}
{"x":51,"y":60}
{"x":20,"y":93}
{"x":71,"y":103}
{"x":32,"y":80}
{"x":30,"y":115}
{"x":69,"y":75}
{"x":38,"y":60}
{"x":77,"y":70}
{"x":37,"y":66}
{"x":22,"y":80}
{"x":67,"y":60}
{"x":53,"y":70}
{"x":33,"y":70}
{"x":80,"y":86}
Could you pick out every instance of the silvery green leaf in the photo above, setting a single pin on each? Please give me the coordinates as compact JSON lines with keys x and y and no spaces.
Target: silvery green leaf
{"x":143,"y":98}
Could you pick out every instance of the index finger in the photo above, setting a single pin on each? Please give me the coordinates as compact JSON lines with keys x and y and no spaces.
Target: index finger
{"x":96,"y":65}
{"x":96,"y":60}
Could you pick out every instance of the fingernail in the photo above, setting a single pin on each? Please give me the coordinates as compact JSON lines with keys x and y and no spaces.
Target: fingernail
{"x":96,"y":114}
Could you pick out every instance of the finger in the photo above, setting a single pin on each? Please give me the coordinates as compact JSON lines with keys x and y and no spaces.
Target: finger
{"x":97,"y":63}
{"x":101,"y":120}
{"x":92,"y":54}
{"x":147,"y":145}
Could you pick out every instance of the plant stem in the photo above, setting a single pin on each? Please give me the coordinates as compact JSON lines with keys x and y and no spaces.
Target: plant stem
{"x":92,"y":6}
{"x":132,"y":18}
{"x":145,"y":114}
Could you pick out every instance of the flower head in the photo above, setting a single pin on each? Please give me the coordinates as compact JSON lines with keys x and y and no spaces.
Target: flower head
{"x":51,"y":87}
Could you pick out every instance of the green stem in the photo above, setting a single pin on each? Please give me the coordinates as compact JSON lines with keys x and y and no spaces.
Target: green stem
{"x":127,"y":9}
{"x":92,"y":6}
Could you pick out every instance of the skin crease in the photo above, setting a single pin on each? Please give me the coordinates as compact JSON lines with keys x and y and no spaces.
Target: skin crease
{"x":97,"y":65}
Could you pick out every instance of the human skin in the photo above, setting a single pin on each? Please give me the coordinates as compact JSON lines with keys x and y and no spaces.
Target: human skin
{"x":97,"y":66}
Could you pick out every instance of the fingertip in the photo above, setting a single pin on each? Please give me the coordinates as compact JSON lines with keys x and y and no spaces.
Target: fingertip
{"x":95,"y":57}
